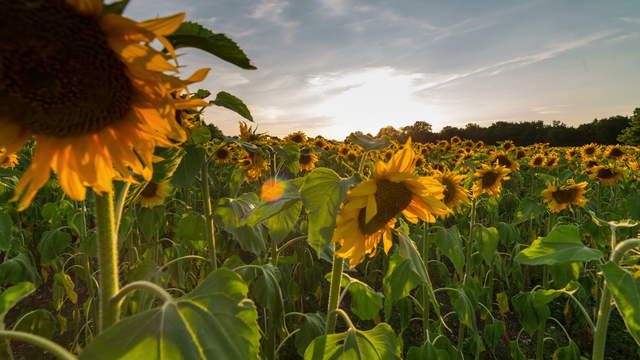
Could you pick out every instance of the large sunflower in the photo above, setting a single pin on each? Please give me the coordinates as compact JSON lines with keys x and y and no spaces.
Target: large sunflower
{"x":489,"y":180}
{"x":560,"y":198}
{"x":307,"y":159}
{"x":91,"y":92}
{"x":372,"y":206}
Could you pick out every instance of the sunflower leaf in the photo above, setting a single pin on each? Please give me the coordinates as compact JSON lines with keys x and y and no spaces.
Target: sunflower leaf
{"x":379,"y":343}
{"x":561,"y":245}
{"x":322,"y":193}
{"x":625,"y":289}
{"x":232,"y":103}
{"x":194,"y":35}
{"x":116,"y":7}
{"x":215,"y":321}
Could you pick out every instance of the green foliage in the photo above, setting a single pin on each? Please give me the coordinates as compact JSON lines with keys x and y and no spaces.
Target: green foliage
{"x":631,"y":134}
{"x":214,"y":321}
{"x":194,"y":35}
{"x":625,"y":289}
{"x":12,"y":295}
{"x":322,"y":193}
{"x":232,"y":103}
{"x":379,"y":343}
{"x":189,"y":166}
{"x":561,"y":245}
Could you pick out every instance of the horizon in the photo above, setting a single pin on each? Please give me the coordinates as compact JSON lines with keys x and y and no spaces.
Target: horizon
{"x":322,"y":64}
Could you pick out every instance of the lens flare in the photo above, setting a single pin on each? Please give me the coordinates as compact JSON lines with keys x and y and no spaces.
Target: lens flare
{"x":272,"y":189}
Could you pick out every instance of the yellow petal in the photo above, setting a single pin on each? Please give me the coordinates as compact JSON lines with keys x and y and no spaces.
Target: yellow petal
{"x":87,"y":7}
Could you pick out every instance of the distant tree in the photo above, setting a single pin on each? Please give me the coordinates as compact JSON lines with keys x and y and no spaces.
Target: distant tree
{"x":390,"y":132}
{"x":631,"y":134}
{"x":420,"y":131}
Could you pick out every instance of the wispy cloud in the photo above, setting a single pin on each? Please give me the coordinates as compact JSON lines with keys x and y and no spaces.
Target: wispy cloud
{"x":335,"y":7}
{"x":272,"y":11}
{"x":633,"y":20}
{"x":522,"y":61}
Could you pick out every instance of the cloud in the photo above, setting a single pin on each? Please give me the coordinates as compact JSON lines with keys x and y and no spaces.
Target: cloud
{"x":522,"y":61}
{"x":633,"y":20}
{"x":272,"y":11}
{"x":335,"y":7}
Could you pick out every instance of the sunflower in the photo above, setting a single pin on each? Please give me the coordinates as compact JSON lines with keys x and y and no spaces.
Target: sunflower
{"x":320,"y":143}
{"x":454,"y":194}
{"x":521,"y":154}
{"x":297,"y":137}
{"x":455,"y":140}
{"x":307,"y":160}
{"x":572,"y":153}
{"x":551,"y":161}
{"x":90,"y":90}
{"x":560,"y":198}
{"x":502,"y":159}
{"x":615,"y":152}
{"x":508,"y":145}
{"x":254,"y":164}
{"x":537,"y":161}
{"x":489,"y":180}
{"x":343,"y":150}
{"x":606,"y":174}
{"x":10,"y":161}
{"x":372,"y":206}
{"x":154,"y":194}
{"x":589,"y":151}
{"x":420,"y":162}
{"x":223,"y":154}
{"x":351,"y":157}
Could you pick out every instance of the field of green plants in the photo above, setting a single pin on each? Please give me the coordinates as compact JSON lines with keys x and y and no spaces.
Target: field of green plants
{"x":132,"y":229}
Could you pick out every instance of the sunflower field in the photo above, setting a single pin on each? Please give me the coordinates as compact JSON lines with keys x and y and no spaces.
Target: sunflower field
{"x":130,"y":228}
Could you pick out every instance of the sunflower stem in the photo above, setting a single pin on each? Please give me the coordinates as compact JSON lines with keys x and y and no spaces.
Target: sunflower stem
{"x":43,"y":343}
{"x":107,"y":260}
{"x":604,"y":308}
{"x":425,"y":297}
{"x":208,"y":213}
{"x":334,"y":292}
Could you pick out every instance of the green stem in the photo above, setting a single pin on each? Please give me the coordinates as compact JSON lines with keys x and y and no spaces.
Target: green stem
{"x":425,"y":296}
{"x":604,"y":309}
{"x":208,"y":213}
{"x":334,"y":292}
{"x":107,"y":260}
{"x":142,"y":285}
{"x":540,"y":332}
{"x":51,"y":347}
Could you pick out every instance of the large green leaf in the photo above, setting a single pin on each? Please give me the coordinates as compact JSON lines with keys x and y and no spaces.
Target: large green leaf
{"x":314,"y":325}
{"x":232,"y":103}
{"x":449,"y":242}
{"x":191,"y":230}
{"x":10,"y":297}
{"x":18,"y":269}
{"x":232,"y":213}
{"x":488,"y":239}
{"x":625,"y":289}
{"x":366,"y":303}
{"x":190,"y":34}
{"x":322,"y":193}
{"x":440,"y":349}
{"x":561,"y":245}
{"x":398,"y":282}
{"x":528,"y":209}
{"x":189,"y":167}
{"x":379,"y":343}
{"x":214,"y":321}
{"x":532,"y":307}
{"x":53,"y":244}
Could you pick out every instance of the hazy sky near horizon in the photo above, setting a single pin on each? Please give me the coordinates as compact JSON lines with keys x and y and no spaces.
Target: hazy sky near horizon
{"x":330,"y":67}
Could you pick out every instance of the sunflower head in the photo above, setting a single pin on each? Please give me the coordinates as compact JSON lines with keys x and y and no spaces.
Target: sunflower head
{"x":223,"y":154}
{"x":489,"y":180}
{"x":373,"y":205}
{"x":297,"y":137}
{"x":10,"y":160}
{"x":48,"y":91}
{"x":589,"y":151}
{"x":154,"y":194}
{"x":307,"y":159}
{"x":607,"y":175}
{"x":615,"y":152}
{"x":455,"y":140}
{"x":560,"y":198}
{"x":508,"y":145}
{"x":503,"y":159}
{"x":455,"y":195}
{"x":551,"y":161}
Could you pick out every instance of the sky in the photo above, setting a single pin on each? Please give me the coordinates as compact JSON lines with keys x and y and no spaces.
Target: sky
{"x":330,"y":67}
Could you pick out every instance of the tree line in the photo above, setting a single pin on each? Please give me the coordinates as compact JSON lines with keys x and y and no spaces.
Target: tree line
{"x":612,"y":130}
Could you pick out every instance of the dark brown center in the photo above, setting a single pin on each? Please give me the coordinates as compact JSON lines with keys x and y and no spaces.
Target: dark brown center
{"x":391,"y":199}
{"x":565,"y":196}
{"x":150,"y":190}
{"x":58,"y":75}
{"x":489,"y":179}
{"x":606,"y":173}
{"x":305,"y":159}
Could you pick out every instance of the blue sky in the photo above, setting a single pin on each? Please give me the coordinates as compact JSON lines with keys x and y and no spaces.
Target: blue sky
{"x":331,"y":67}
